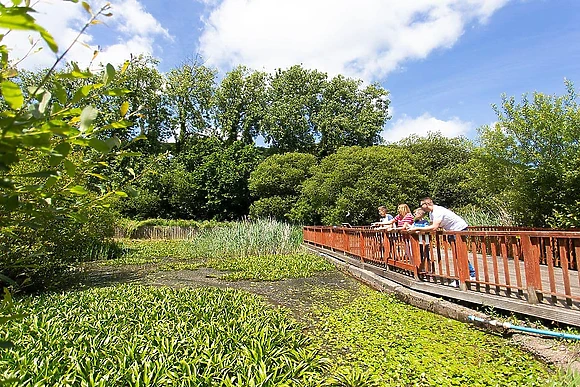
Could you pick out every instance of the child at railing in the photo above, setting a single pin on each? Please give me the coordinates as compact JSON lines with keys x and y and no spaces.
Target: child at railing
{"x":403,"y":217}
{"x":420,"y":221}
{"x":385,"y":222}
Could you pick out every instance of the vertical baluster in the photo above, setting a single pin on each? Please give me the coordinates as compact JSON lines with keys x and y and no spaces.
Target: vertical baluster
{"x":551,"y":276}
{"x":564,"y":250}
{"x":506,"y":274}
{"x":496,"y":279}
{"x":531,"y":254}
{"x":516,"y":251}
{"x":484,"y":261}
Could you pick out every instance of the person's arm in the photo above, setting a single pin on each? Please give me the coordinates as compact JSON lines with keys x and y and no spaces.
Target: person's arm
{"x":433,"y":226}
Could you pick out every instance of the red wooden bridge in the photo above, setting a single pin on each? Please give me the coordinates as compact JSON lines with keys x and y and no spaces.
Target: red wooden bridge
{"x":524,"y":270}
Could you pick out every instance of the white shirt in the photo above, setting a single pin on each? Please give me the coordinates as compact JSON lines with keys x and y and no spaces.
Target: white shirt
{"x":449,"y":220}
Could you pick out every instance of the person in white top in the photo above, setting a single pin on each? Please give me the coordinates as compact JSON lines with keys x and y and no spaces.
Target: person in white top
{"x":441,"y":217}
{"x":446,"y":219}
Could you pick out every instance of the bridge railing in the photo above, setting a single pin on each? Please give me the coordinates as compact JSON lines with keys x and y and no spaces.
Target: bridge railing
{"x":536,"y":265}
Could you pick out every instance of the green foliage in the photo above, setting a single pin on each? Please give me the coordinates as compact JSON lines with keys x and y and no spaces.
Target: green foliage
{"x":277,"y":182}
{"x":208,"y":179}
{"x":350,"y":114}
{"x":356,"y":181}
{"x":405,"y":346}
{"x":308,"y":113}
{"x":189,"y":92}
{"x":238,"y":239}
{"x":53,"y":149}
{"x":139,"y":336}
{"x":449,"y":164}
{"x":532,"y":157}
{"x":240,"y":103}
{"x":129,"y":225}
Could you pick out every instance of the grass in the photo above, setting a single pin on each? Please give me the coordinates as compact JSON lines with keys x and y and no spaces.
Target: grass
{"x":264,"y":250}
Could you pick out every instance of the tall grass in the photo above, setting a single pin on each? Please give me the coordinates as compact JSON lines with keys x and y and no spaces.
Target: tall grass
{"x":265,"y":250}
{"x":259,"y":237}
{"x":493,"y":215}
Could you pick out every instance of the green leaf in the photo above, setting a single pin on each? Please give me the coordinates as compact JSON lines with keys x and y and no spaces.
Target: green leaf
{"x":124,"y":67}
{"x":121,"y":194}
{"x":12,"y":94}
{"x":82,"y":218}
{"x":69,"y":167}
{"x":109,"y":73}
{"x":50,"y":182}
{"x":17,"y":18}
{"x":81,"y":93}
{"x":60,"y":92}
{"x":88,"y":115}
{"x":113,"y":142}
{"x":117,"y":92}
{"x":59,"y":153}
{"x":119,"y":125}
{"x":87,"y":7}
{"x":132,"y":192}
{"x":45,"y":173}
{"x":139,"y":138}
{"x":78,"y":190}
{"x":48,"y":39}
{"x":99,"y":145}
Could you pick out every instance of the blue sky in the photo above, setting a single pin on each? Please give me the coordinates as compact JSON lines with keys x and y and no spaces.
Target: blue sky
{"x":443,"y":61}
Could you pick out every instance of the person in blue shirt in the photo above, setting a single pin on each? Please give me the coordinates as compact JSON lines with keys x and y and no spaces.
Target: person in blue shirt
{"x":420,"y":222}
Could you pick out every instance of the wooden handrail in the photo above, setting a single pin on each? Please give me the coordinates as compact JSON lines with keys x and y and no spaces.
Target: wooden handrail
{"x":538,"y":265}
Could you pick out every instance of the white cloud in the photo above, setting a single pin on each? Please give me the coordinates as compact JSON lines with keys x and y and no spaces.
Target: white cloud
{"x":133,"y":29}
{"x":421,"y":126}
{"x":366,"y":39}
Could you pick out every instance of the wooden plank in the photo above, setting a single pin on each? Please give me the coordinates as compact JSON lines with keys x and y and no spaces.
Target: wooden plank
{"x":506,"y":269}
{"x":564,"y":261}
{"x":516,"y":250}
{"x":551,"y":276}
{"x":485,"y":268}
{"x":577,"y":253}
{"x":495,"y":265}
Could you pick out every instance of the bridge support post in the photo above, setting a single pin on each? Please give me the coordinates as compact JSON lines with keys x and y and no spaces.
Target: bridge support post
{"x":531,"y":253}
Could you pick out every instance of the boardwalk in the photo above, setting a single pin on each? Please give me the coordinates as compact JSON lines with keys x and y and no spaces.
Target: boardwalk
{"x":533,"y":272}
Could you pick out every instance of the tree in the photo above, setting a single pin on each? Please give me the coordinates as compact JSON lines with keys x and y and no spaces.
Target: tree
{"x":293,"y":100}
{"x":449,"y":164}
{"x":350,"y":115}
{"x":277,"y":183}
{"x":532,"y":157}
{"x":350,"y":184}
{"x":189,"y":92}
{"x":240,"y":104}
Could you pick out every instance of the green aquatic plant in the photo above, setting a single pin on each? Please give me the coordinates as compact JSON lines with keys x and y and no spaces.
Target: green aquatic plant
{"x":144,"y":336}
{"x":406,"y":346}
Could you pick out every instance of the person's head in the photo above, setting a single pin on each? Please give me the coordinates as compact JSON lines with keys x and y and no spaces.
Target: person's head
{"x":427,"y":204}
{"x":419,"y":213}
{"x":403,"y":209}
{"x":382,"y":211}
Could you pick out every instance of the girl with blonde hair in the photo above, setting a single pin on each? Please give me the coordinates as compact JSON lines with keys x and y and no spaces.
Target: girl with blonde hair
{"x":403,"y":217}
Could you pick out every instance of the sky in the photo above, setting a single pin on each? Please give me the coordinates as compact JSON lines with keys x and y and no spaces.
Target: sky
{"x":444,"y":62}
